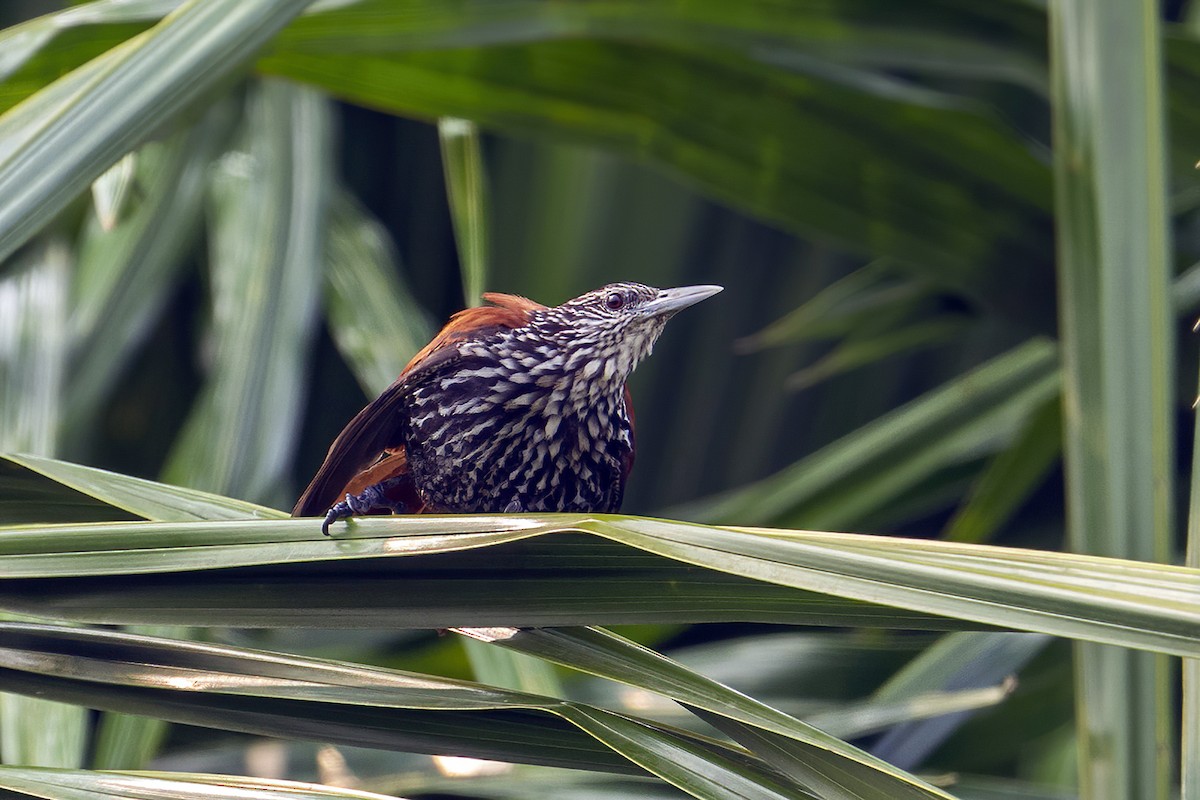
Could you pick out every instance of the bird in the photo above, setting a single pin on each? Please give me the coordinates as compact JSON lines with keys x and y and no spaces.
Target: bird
{"x":512,"y":407}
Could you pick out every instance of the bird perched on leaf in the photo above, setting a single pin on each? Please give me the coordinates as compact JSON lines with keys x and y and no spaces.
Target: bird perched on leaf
{"x":511,"y":407}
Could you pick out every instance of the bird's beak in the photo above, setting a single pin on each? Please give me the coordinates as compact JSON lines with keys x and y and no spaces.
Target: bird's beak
{"x":671,"y":301}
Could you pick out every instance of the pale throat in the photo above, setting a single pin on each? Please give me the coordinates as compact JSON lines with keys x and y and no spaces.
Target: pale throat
{"x":589,"y":365}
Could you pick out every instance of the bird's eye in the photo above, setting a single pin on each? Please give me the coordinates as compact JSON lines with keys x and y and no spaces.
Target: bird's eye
{"x":614,"y":301}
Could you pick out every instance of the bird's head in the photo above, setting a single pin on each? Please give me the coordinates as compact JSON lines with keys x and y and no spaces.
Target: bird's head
{"x":603,"y":334}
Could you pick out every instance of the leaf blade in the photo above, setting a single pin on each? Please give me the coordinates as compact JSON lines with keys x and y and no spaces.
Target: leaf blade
{"x":53,"y":153}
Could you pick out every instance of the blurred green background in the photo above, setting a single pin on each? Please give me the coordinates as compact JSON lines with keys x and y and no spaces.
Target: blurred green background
{"x":894,"y":204}
{"x":873,"y":182}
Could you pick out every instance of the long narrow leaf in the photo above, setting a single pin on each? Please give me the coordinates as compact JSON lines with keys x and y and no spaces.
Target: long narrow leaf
{"x":815,"y":768}
{"x":528,"y":584}
{"x":1132,"y":604}
{"x":601,"y":94}
{"x":698,"y":772}
{"x":53,"y":153}
{"x":466,"y":187}
{"x":958,"y":662}
{"x":608,"y":655}
{"x":882,"y":460}
{"x":126,"y":272}
{"x":33,"y":368}
{"x":801,"y":37}
{"x":59,"y":784}
{"x":1013,"y":474}
{"x":292,"y":697}
{"x":1190,"y":725}
{"x":1118,"y":355}
{"x":1026,"y":590}
{"x":375,"y":321}
{"x":148,"y":499}
{"x":27,"y":496}
{"x":509,"y":669}
{"x":270,"y":201}
{"x":34,"y":347}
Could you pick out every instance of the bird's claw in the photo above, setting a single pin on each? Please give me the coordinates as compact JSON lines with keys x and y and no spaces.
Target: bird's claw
{"x":373,"y":496}
{"x":337,"y":511}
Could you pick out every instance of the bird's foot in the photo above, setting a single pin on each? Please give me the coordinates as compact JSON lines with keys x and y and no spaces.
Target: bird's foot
{"x":514,"y":507}
{"x":337,"y":511}
{"x":374,"y":496}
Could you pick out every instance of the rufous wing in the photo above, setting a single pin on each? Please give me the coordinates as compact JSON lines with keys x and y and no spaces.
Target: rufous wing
{"x":370,"y":448}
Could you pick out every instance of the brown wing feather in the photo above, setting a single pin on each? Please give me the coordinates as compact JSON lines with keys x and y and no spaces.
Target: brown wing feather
{"x":392,"y":464}
{"x":513,"y":302}
{"x":371,"y":448}
{"x":372,"y":431}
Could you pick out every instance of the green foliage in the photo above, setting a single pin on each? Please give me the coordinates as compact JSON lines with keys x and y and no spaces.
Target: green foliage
{"x":212,"y":250}
{"x":1119,"y":357}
